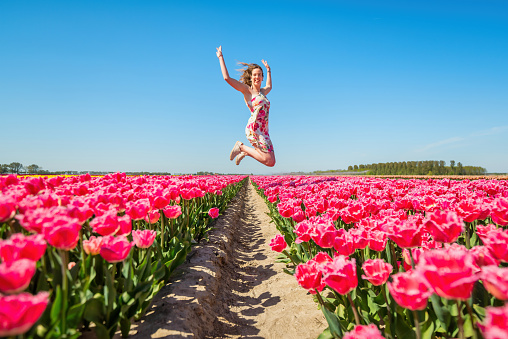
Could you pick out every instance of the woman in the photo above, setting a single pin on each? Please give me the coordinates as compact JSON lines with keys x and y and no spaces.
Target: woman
{"x":259,"y":106}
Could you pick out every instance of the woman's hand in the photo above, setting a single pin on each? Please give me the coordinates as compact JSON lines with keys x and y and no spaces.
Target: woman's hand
{"x":219,"y":51}
{"x":266,"y":64}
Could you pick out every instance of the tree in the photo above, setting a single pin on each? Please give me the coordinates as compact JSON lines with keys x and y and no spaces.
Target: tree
{"x":33,"y":169}
{"x":355,"y":167}
{"x":4,"y":168}
{"x":15,"y":167}
{"x":350,"y":168}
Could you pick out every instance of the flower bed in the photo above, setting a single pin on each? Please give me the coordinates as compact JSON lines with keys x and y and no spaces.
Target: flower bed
{"x":396,"y":258}
{"x":81,"y":251}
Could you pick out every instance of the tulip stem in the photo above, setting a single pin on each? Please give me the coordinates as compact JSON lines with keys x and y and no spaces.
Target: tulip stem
{"x":470,"y":311}
{"x":460,"y":322}
{"x":468,"y":240}
{"x":163,"y":226}
{"x":412,"y":258}
{"x":417,"y":325}
{"x":355,"y":311}
{"x":63,"y":256}
{"x":287,"y":255}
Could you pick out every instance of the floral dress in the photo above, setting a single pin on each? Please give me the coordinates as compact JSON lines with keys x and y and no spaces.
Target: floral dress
{"x":257,"y":126}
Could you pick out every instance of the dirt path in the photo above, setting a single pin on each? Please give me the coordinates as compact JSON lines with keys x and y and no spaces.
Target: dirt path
{"x":231,"y":287}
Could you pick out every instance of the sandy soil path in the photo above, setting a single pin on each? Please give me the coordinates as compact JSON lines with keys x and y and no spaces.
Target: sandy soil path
{"x":231,"y":287}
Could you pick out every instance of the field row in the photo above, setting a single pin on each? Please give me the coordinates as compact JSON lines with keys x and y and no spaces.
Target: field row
{"x":396,"y":258}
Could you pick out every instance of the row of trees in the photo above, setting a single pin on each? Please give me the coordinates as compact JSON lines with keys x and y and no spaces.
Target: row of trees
{"x":427,"y":167}
{"x":18,"y":168}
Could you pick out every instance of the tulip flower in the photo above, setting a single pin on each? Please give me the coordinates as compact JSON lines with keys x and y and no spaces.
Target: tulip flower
{"x":172,"y":212}
{"x":115,"y":249}
{"x":93,"y":245}
{"x":144,"y":238}
{"x":7,"y":208}
{"x":445,"y":226}
{"x":376,"y":271}
{"x":495,"y":324}
{"x":450,"y":272}
{"x":364,"y":332}
{"x":213,"y":212}
{"x":278,"y":244}
{"x":62,"y":232}
{"x":19,"y":246}
{"x":409,"y":290}
{"x":15,"y":276}
{"x":495,"y":280}
{"x":18,"y":313}
{"x":340,"y":274}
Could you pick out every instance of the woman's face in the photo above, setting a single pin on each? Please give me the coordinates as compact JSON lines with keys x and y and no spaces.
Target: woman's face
{"x":257,"y":77}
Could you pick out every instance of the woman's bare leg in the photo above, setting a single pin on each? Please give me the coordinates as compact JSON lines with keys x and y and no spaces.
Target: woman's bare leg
{"x":267,"y":159}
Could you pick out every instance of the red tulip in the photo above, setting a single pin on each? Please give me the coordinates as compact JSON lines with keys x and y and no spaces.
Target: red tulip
{"x":138,"y":210}
{"x":405,"y":233}
{"x":340,"y":274}
{"x":344,"y":243}
{"x":125,"y":224}
{"x":497,"y":241}
{"x":20,"y":312}
{"x":377,"y":240}
{"x":15,"y":276}
{"x":483,"y":256}
{"x":323,"y":232}
{"x":115,"y":249}
{"x":376,"y":271}
{"x":409,"y":290}
{"x":144,"y":238}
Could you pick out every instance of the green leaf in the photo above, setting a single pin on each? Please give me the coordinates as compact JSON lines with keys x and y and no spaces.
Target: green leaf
{"x":443,"y":314}
{"x":469,"y":330}
{"x":402,"y":328}
{"x":101,"y":331}
{"x":333,"y":322}
{"x":75,"y":315}
{"x":325,"y":334}
{"x":428,"y":328}
{"x":56,"y":307}
{"x":94,"y":310}
{"x":125,"y":326}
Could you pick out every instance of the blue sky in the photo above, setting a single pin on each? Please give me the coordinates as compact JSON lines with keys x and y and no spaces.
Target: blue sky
{"x":136,"y":85}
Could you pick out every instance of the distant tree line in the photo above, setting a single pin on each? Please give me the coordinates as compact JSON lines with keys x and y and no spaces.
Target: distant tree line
{"x":427,"y":167}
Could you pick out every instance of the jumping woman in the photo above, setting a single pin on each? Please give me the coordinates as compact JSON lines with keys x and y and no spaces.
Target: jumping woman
{"x":256,"y":100}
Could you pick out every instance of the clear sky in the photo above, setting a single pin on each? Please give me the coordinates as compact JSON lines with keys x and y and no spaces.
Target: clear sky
{"x":136,"y":85}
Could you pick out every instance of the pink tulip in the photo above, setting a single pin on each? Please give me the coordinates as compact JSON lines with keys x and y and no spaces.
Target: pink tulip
{"x":483,"y":256}
{"x":324,"y":232}
{"x":364,"y":332}
{"x":19,"y":246}
{"x":93,"y":245}
{"x":309,"y":276}
{"x":377,"y":240}
{"x":450,"y":272}
{"x":138,"y":210}
{"x":495,"y":280}
{"x":405,"y":233}
{"x":152,"y":217}
{"x":7,"y":208}
{"x":125,"y":224}
{"x":445,"y":226}
{"x":495,"y":324}
{"x":213,"y":212}
{"x":344,"y":243}
{"x":497,"y":241}
{"x":144,"y":238}
{"x":499,"y":211}
{"x":18,"y":313}
{"x":278,"y":244}
{"x":115,"y":249}
{"x":106,"y":224}
{"x":376,"y":271}
{"x":172,"y":212}
{"x":303,"y":231}
{"x":340,"y":274}
{"x":15,"y":276}
{"x":62,"y":232}
{"x":409,"y":290}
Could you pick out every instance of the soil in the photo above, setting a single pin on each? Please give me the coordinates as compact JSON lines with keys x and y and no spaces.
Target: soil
{"x":231,"y":286}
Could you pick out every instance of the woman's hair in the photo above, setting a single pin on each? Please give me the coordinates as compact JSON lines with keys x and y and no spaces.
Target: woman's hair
{"x":247,"y":72}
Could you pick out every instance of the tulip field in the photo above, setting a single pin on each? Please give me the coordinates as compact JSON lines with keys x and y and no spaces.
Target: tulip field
{"x":381,"y":257}
{"x":389,"y":258}
{"x":86,"y":252}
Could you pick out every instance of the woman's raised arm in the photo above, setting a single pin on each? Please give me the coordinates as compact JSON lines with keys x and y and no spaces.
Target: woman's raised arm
{"x":268,"y":86}
{"x":233,"y":82}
